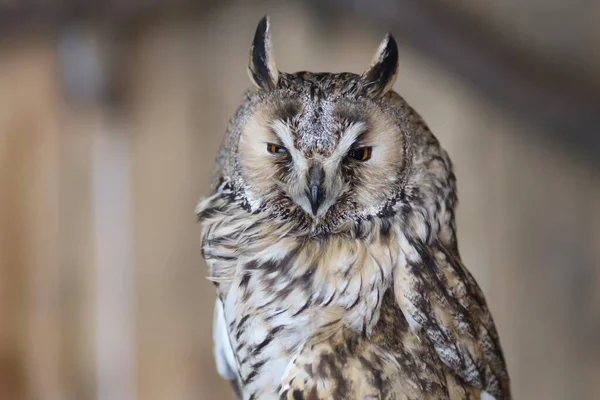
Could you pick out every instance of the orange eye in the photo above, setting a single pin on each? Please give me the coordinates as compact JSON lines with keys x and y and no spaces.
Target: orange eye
{"x":274,"y":149}
{"x":361,"y":153}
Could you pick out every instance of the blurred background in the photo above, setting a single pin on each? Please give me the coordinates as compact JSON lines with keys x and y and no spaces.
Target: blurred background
{"x":111,"y":113}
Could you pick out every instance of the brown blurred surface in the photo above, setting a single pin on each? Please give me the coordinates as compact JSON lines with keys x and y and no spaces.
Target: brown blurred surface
{"x":102,"y":289}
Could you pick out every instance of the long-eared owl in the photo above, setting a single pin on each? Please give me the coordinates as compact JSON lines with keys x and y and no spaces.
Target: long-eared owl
{"x":331,"y":240}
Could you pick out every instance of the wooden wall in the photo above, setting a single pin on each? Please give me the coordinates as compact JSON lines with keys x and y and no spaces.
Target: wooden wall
{"x":31,"y":331}
{"x":102,"y":289}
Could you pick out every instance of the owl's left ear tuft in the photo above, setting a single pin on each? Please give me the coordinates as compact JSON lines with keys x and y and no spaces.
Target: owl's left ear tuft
{"x":261,"y":68}
{"x":379,"y":78}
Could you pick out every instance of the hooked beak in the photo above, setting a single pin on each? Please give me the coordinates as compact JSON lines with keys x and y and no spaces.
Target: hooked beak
{"x":315,"y":190}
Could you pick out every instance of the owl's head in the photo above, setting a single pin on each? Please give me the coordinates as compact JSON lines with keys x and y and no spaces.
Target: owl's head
{"x":318,"y":147}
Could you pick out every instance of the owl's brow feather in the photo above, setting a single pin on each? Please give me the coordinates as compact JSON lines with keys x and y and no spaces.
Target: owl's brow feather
{"x":283,"y":132}
{"x":350,"y":136}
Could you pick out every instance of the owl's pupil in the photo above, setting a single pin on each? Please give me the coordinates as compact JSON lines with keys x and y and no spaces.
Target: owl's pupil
{"x":361,"y":153}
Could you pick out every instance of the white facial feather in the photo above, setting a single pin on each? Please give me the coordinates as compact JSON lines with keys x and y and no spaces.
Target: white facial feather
{"x":282,"y":131}
{"x":348,"y":139}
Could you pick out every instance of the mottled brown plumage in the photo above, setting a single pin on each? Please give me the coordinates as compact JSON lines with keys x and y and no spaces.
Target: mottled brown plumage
{"x":331,"y":241}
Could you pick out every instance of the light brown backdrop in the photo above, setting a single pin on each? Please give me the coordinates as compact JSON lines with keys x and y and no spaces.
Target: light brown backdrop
{"x":102,"y":289}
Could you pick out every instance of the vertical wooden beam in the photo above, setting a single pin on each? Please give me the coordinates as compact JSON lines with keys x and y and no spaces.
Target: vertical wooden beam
{"x":77,"y":249}
{"x":108,"y":319}
{"x":173,"y":152}
{"x":31,"y":363}
{"x":115,"y":319}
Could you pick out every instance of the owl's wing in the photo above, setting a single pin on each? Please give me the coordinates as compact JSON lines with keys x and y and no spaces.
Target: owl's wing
{"x":223,"y":352}
{"x":438,"y":295}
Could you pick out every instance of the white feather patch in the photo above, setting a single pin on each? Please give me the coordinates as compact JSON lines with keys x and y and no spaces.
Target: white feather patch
{"x":223,"y":352}
{"x":486,"y":396}
{"x":348,"y":138}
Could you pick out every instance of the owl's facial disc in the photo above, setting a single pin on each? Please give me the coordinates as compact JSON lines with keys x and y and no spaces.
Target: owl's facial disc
{"x":329,"y":160}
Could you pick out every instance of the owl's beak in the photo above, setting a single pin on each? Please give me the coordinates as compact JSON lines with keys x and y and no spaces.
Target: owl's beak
{"x":314,"y":198}
{"x":315,"y":190}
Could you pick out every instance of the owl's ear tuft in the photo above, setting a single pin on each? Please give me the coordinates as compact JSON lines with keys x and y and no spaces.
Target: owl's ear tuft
{"x":379,"y":78}
{"x":262,"y":69}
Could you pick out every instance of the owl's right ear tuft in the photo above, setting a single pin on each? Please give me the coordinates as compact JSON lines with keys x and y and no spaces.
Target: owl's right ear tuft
{"x":262,"y":69}
{"x":381,"y":74}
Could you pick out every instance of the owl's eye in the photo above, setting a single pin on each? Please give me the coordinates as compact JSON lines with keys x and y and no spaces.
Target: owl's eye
{"x":274,"y":149}
{"x":361,"y":153}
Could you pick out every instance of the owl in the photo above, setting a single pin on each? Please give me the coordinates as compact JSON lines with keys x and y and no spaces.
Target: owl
{"x":330,"y":238}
